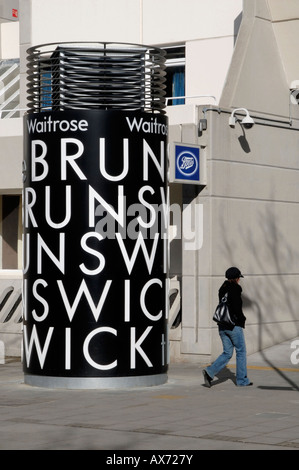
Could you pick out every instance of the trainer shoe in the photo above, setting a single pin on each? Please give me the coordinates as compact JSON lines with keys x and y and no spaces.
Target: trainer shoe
{"x":207,"y":378}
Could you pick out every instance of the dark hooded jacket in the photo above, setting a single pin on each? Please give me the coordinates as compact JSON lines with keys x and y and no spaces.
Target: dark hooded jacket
{"x":234,"y":301}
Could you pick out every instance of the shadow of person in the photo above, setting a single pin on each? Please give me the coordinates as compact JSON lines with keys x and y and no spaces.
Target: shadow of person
{"x":291,"y":384}
{"x":223,"y":376}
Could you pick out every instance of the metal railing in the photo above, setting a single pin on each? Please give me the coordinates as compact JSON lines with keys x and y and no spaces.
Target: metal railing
{"x":11,"y":315}
{"x":171,"y":98}
{"x":96,"y":76}
{"x":9,"y":89}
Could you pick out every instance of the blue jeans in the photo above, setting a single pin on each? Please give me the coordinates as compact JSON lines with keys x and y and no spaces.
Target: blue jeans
{"x":232,"y":339}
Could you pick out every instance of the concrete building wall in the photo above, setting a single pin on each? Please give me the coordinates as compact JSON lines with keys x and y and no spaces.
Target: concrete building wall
{"x":251,"y":220}
{"x":264,"y":63}
{"x":11,"y":150}
{"x":9,"y":40}
{"x":207,"y":63}
{"x":251,"y":201}
{"x":208,"y":30}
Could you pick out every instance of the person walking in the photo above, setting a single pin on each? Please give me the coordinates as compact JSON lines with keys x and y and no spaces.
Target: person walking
{"x":231,"y":336}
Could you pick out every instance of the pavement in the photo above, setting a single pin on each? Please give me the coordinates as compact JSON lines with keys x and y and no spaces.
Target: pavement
{"x":179,"y":418}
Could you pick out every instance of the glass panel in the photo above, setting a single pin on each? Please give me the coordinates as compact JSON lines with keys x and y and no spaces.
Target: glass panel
{"x":178,"y":86}
{"x":10,"y":219}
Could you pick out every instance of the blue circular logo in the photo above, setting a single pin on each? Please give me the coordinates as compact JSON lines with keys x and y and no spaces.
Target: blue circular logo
{"x":187,"y":163}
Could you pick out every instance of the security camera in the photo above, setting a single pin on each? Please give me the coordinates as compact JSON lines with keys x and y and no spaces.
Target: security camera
{"x":248,"y":122}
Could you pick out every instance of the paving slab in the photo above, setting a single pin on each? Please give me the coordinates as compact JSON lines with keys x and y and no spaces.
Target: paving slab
{"x":182,"y":415}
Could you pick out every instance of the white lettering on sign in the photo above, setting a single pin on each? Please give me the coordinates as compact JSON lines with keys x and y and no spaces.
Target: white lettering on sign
{"x":48,"y":125}
{"x":148,"y":127}
{"x":47,"y":236}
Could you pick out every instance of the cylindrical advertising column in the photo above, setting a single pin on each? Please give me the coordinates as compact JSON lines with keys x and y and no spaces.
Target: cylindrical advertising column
{"x":95,"y":218}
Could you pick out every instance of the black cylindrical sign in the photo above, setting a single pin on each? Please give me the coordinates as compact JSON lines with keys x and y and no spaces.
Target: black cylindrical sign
{"x":95,"y":248}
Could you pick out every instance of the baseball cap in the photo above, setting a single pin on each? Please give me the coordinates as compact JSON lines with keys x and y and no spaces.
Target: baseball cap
{"x":233,"y":273}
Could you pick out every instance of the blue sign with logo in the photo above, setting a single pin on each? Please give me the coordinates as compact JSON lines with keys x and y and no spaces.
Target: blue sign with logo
{"x":187,"y":165}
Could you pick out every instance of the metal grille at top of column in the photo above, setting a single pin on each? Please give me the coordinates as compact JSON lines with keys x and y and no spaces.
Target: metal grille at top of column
{"x":96,"y":76}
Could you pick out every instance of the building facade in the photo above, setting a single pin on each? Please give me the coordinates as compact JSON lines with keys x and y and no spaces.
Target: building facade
{"x":220,"y":57}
